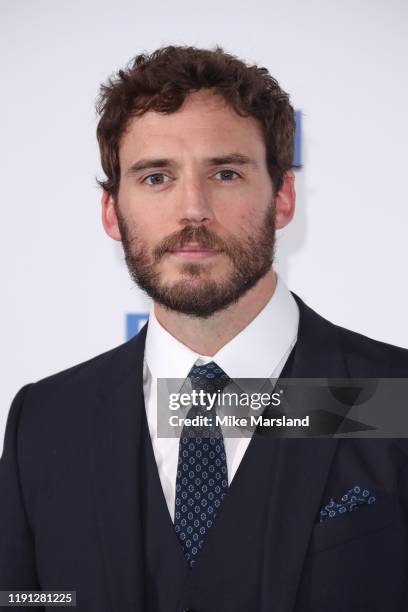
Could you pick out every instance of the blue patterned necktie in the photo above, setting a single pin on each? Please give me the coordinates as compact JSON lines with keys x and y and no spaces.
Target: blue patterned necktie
{"x":202,"y":476}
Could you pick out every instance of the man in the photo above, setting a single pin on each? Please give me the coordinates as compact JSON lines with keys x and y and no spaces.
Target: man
{"x":197,"y":148}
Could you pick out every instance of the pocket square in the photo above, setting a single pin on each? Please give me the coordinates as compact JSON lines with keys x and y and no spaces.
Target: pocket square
{"x":352,"y":500}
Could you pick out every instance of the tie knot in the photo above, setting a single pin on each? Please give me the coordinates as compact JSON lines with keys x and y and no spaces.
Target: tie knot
{"x":209,"y":377}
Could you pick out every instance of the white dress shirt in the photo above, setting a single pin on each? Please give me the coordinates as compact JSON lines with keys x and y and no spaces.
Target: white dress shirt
{"x":258,"y":351}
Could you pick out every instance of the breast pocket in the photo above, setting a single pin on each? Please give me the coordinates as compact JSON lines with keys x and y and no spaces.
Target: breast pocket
{"x":356,"y":524}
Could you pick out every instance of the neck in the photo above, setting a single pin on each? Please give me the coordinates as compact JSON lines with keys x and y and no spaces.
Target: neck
{"x":207,"y":336}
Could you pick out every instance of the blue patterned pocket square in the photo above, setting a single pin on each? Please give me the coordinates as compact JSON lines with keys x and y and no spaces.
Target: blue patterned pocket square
{"x":351,"y":500}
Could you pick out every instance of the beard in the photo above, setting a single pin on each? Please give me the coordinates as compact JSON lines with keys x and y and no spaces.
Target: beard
{"x":196,"y":294}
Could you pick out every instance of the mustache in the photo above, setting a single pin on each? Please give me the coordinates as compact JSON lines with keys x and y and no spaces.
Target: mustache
{"x":198,"y":234}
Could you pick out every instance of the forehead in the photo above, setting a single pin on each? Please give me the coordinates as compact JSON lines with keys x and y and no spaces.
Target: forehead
{"x":204,"y":123}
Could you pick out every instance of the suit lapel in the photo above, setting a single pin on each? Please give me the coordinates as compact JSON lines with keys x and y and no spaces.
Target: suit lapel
{"x":115,"y":443}
{"x":301,"y":470}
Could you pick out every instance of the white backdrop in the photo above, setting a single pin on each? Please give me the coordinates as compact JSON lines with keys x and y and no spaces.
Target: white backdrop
{"x":65,"y":287}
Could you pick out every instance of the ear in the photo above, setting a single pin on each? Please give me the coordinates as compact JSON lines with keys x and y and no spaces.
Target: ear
{"x":109,"y":217}
{"x":285,"y":201}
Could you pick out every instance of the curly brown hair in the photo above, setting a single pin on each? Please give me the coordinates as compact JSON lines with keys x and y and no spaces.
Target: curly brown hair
{"x":162,"y":80}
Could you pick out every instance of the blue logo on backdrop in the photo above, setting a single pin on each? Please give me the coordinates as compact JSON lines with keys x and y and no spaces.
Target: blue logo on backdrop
{"x":135,"y":322}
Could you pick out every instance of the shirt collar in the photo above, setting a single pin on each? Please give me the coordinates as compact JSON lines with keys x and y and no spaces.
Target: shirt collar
{"x":253,"y":353}
{"x":165,"y":356}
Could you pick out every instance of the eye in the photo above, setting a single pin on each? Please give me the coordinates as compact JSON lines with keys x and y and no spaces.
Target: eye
{"x":227,"y":174}
{"x":157,"y":176}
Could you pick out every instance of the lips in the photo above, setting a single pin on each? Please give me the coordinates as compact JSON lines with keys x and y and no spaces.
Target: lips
{"x":193,"y":251}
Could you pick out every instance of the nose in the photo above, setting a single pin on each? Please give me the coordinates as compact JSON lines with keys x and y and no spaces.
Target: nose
{"x":194,"y":205}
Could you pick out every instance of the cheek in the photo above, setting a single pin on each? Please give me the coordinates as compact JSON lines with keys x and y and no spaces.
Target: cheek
{"x":146,"y":223}
{"x":244,"y":221}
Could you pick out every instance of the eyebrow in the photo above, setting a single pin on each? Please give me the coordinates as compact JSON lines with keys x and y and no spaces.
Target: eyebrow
{"x":233,"y":158}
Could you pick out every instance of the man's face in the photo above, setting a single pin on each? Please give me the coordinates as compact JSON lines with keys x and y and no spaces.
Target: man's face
{"x":197,"y":230}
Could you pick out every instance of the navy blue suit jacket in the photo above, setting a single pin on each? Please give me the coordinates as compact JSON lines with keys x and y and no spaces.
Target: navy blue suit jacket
{"x":69,"y":511}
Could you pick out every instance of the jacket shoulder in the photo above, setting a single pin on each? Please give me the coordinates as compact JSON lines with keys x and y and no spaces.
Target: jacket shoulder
{"x":83,"y":369}
{"x":363,"y":357}
{"x":112,"y":363}
{"x":372,"y":358}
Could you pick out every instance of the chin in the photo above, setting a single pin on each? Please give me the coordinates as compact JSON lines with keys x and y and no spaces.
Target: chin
{"x":197,"y":270}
